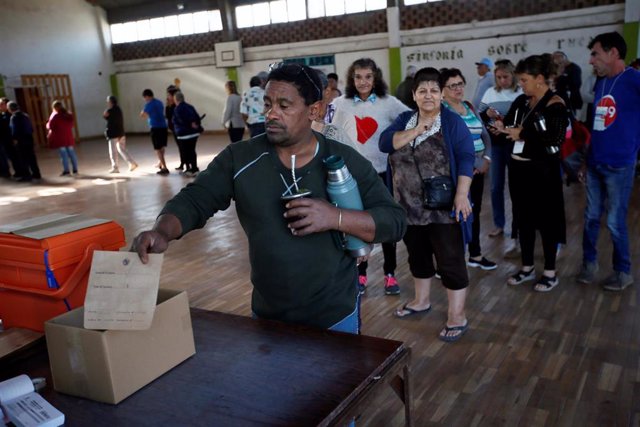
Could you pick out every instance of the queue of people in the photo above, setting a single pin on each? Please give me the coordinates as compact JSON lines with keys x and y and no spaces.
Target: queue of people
{"x":420,"y":165}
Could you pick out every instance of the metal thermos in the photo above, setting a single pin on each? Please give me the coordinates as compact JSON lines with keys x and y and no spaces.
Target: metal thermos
{"x":343,"y":192}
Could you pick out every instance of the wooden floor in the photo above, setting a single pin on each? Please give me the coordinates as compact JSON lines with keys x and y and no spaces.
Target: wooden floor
{"x":570,"y":357}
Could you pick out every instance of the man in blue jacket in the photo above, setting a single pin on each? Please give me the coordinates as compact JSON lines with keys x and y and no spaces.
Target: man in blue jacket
{"x":186,"y":126}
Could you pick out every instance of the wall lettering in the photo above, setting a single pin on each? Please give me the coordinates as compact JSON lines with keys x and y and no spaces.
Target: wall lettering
{"x":573,"y":42}
{"x":435,"y":55}
{"x":507,"y":49}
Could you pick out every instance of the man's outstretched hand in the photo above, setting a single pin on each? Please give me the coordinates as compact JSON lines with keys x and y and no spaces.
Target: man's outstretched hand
{"x":149,"y":242}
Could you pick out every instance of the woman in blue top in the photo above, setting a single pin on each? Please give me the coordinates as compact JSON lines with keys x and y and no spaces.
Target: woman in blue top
{"x":432,"y":141}
{"x":453,"y":82}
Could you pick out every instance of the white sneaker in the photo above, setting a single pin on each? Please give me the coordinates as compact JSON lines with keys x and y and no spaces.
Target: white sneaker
{"x":133,"y":166}
{"x":114,"y":170}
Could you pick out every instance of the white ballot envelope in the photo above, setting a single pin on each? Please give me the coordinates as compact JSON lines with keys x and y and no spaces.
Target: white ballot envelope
{"x":122,"y":291}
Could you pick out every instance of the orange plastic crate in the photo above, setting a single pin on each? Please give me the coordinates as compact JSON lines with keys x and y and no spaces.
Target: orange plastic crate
{"x":31,"y":293}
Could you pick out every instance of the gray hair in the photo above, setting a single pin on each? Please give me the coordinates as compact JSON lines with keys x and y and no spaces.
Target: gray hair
{"x":178,"y":96}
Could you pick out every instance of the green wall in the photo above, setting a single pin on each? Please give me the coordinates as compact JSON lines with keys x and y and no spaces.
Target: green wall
{"x":395,"y":69}
{"x":114,"y":85}
{"x":630,"y":34}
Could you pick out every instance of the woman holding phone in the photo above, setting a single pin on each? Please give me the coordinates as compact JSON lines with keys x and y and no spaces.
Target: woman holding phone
{"x":539,"y":120}
{"x":494,"y":106}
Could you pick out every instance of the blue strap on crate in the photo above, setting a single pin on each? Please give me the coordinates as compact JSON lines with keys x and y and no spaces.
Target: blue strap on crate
{"x":52,"y":283}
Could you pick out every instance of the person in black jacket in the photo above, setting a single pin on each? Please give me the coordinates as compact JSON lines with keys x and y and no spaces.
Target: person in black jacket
{"x":169,"y":108}
{"x":22,"y":135}
{"x":7,"y":150}
{"x":537,"y":123}
{"x":186,"y":123}
{"x":568,"y":81}
{"x":115,"y":135}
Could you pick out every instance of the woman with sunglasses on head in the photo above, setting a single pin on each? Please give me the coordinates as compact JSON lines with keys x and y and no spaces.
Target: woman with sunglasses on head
{"x":364,"y":111}
{"x":433,"y":142}
{"x":537,"y":122}
{"x":453,"y":82}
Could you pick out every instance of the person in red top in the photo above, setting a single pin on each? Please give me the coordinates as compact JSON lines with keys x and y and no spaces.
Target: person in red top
{"x":60,"y":136}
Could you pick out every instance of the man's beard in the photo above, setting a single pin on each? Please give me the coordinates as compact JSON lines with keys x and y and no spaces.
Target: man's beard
{"x":280,"y":139}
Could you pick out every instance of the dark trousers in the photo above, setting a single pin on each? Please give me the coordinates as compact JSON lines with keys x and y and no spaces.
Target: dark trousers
{"x":12,"y":155}
{"x":180,"y":149}
{"x":476,"y":190}
{"x":190,"y":156}
{"x":538,"y":205}
{"x":235,"y":134}
{"x":444,"y":241}
{"x":256,"y":129}
{"x":388,"y":250}
{"x":4,"y":163}
{"x":27,"y":155}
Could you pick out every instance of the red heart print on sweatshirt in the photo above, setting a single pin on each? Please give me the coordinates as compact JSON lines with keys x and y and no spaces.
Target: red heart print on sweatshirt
{"x":366,"y":127}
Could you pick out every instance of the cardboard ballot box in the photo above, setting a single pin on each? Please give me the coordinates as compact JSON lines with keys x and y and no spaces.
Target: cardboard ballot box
{"x":45,"y":263}
{"x":109,"y":366}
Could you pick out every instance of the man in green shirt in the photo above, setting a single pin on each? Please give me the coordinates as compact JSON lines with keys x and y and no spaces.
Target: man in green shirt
{"x":299,"y":270}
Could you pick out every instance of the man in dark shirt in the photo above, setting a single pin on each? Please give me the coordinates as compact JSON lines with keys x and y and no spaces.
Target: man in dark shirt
{"x":6,"y":143}
{"x":300,"y":271}
{"x":568,"y":81}
{"x":22,"y":134}
{"x":404,"y":92}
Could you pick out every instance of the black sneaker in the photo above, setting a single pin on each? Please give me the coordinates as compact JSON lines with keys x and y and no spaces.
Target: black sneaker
{"x":482,"y":263}
{"x":163,"y":171}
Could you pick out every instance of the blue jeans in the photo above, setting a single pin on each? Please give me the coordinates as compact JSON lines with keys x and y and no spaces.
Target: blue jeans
{"x":608,"y":188}
{"x":500,"y":155}
{"x":67,"y":153}
{"x":351,"y":323}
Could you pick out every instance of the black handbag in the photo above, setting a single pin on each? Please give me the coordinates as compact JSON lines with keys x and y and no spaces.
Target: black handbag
{"x":437,"y":191}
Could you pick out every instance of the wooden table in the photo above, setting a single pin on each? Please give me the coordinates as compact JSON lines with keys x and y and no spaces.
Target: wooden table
{"x":249,"y":372}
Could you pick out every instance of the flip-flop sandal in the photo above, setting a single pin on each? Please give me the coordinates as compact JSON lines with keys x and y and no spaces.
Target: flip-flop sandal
{"x":497,"y":232}
{"x":408,"y":311}
{"x":451,"y":338}
{"x":545,"y":284}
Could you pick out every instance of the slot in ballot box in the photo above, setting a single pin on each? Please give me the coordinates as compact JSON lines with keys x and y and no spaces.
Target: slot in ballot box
{"x":45,"y":263}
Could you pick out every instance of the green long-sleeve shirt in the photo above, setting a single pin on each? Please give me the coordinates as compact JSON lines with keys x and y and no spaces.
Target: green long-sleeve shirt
{"x":306,"y":280}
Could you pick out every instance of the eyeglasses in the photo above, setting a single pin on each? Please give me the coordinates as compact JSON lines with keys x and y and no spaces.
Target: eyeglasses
{"x":294,"y":70}
{"x":455,"y":86}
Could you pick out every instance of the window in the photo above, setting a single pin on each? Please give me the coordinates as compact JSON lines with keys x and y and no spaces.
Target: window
{"x":171,"y":28}
{"x":333,"y":7}
{"x":412,"y":2}
{"x":185,"y":23}
{"x":320,"y":8}
{"x":143,"y":29}
{"x":157,"y":28}
{"x":168,"y":26}
{"x":272,"y":12}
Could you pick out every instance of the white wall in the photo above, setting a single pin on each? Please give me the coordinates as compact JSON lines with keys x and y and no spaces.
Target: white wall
{"x":60,"y":37}
{"x":203,"y":88}
{"x":203,"y":85}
